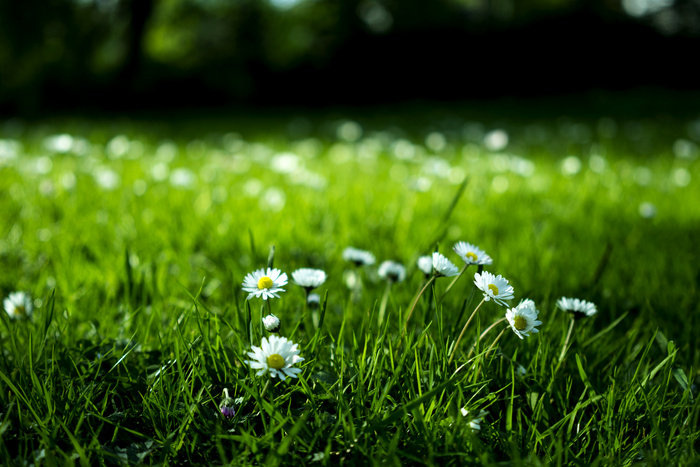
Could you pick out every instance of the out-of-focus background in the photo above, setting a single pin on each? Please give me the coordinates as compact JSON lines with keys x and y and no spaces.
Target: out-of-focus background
{"x":124,"y":55}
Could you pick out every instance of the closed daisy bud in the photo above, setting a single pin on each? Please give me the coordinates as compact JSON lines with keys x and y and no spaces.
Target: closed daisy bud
{"x":313,"y":300}
{"x":226,"y":405}
{"x":271,"y":323}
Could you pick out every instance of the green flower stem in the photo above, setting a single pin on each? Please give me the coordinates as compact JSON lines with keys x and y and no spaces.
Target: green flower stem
{"x":454,"y":350}
{"x":454,"y":281}
{"x":415,"y":302}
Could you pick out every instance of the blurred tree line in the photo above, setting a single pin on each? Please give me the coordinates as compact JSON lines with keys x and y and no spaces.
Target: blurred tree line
{"x":125,"y":54}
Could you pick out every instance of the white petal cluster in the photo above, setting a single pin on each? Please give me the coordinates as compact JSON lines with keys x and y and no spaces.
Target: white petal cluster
{"x":309,"y":278}
{"x":523,"y":318}
{"x":357,"y":256}
{"x":265,"y":284}
{"x":495,"y":288}
{"x":577,"y":306}
{"x":475,"y":422}
{"x":18,"y":305}
{"x":276,"y":355}
{"x":392,"y":271}
{"x":443,"y":266}
{"x":472,"y":254}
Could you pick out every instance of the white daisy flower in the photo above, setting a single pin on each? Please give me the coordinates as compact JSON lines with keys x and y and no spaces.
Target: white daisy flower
{"x":523,"y":318}
{"x":472,"y":254}
{"x":275,"y":355}
{"x":425,"y":264}
{"x":18,"y":305}
{"x":392,"y":271}
{"x":443,"y":266}
{"x":495,"y":288}
{"x":264,"y":284}
{"x":357,"y":256}
{"x":309,"y":278}
{"x":271,"y":323}
{"x":576,"y":306}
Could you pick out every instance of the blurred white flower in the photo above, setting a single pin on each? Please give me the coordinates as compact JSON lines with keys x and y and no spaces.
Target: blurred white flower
{"x":392,"y":271}
{"x":309,"y":278}
{"x":579,"y":308}
{"x":357,"y":256}
{"x":425,"y":264}
{"x":18,"y":305}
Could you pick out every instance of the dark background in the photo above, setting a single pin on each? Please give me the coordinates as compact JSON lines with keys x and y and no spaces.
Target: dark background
{"x":124,"y":55}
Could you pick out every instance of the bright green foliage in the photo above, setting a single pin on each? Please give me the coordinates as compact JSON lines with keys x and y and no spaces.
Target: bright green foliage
{"x":134,"y":238}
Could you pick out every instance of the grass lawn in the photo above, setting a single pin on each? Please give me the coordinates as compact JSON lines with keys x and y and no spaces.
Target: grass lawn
{"x":132,"y":238}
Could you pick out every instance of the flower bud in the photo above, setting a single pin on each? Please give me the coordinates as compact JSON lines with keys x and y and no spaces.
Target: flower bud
{"x":271,"y":323}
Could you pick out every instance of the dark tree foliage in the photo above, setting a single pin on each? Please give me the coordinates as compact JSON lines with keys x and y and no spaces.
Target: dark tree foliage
{"x":128,"y":54}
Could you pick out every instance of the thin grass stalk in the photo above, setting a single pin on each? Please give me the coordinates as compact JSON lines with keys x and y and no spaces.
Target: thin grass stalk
{"x":454,"y":350}
{"x":483,"y":334}
{"x":415,"y":302}
{"x":382,"y":306}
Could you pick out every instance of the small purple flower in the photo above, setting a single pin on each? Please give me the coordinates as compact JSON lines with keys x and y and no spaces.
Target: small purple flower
{"x":226,"y":406}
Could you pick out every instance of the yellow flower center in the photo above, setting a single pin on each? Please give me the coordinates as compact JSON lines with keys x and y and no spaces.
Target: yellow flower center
{"x":493,"y":288}
{"x":520,"y":323}
{"x":471,"y":256}
{"x":20,"y":310}
{"x":275,"y":361}
{"x":265,"y":283}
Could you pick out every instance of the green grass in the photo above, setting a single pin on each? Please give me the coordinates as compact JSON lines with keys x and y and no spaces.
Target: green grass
{"x":140,"y":321}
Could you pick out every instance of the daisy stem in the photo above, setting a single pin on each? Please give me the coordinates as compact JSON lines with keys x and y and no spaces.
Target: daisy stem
{"x":454,"y":349}
{"x":442,"y":297}
{"x":262,"y":315}
{"x":415,"y":302}
{"x":566,"y":342}
{"x":483,"y":334}
{"x":385,"y":300}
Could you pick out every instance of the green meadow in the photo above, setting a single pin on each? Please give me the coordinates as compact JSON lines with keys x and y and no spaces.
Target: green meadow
{"x":132,"y":239}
